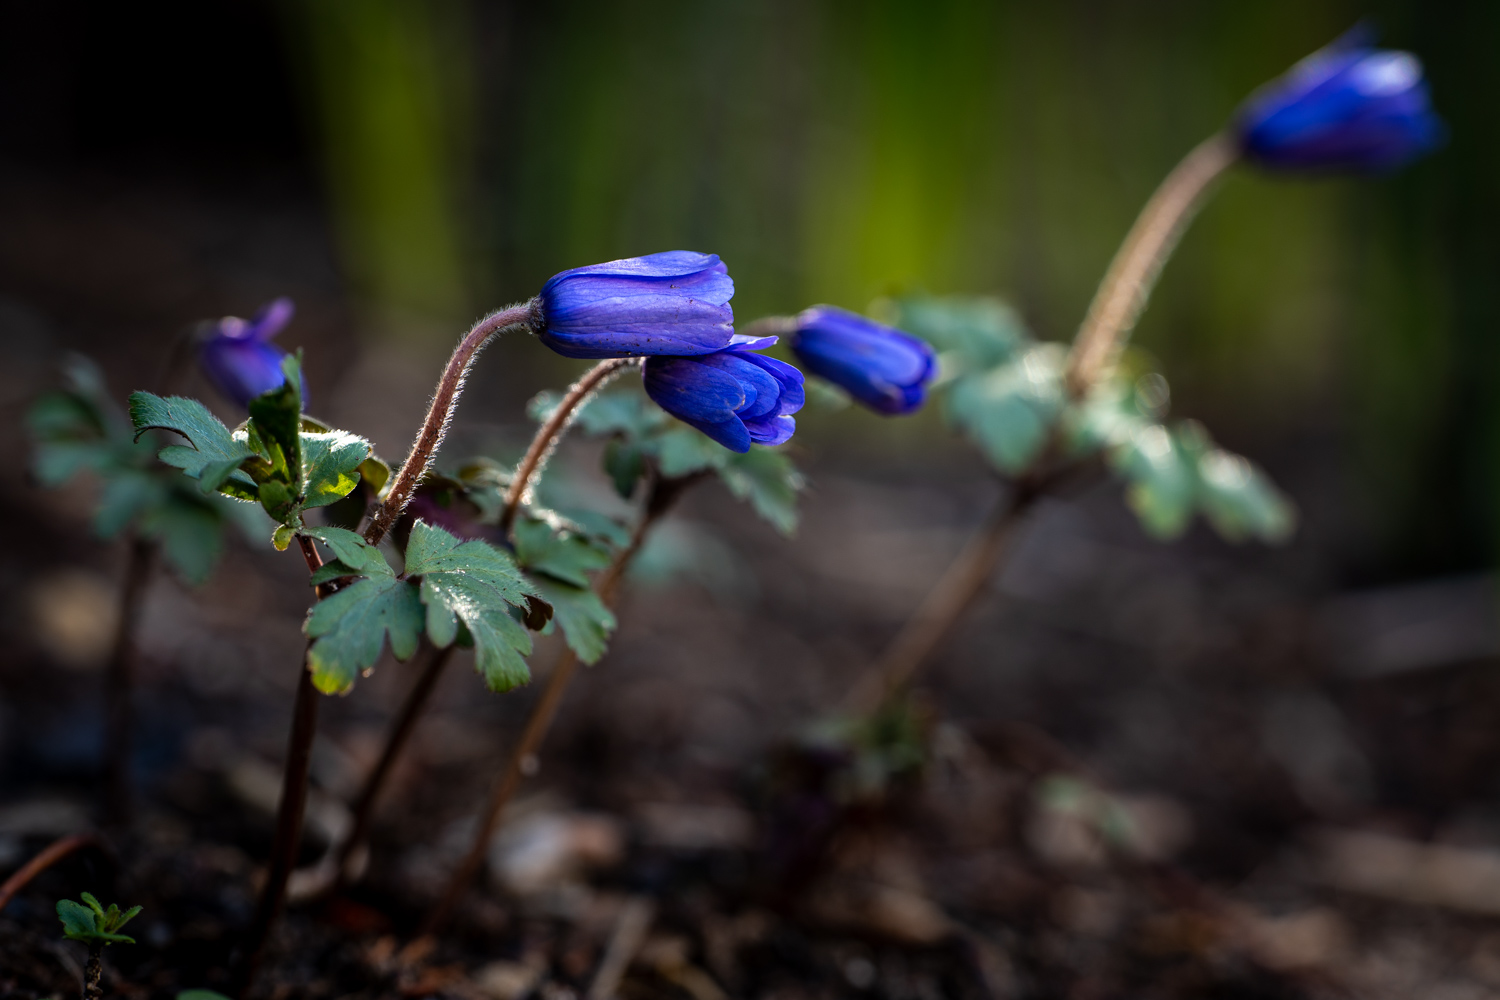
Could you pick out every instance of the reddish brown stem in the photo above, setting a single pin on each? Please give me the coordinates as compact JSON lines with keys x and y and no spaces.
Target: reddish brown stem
{"x":119,"y":683}
{"x":292,"y":806}
{"x":440,"y":413}
{"x":552,"y":430}
{"x":659,"y":499}
{"x":395,"y":742}
{"x":50,"y":856}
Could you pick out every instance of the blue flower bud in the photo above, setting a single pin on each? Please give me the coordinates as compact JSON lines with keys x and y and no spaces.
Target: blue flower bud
{"x":673,"y":303}
{"x":883,"y":368}
{"x":733,"y":396}
{"x":1345,"y":107}
{"x":239,"y":358}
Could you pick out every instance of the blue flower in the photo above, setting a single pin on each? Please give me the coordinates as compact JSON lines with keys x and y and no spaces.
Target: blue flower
{"x":665,"y":303}
{"x":239,"y":358}
{"x":733,"y":396}
{"x":1345,"y":107}
{"x":883,"y":368}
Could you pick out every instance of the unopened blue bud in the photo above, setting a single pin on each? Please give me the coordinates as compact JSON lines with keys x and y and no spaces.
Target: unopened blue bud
{"x":1345,"y":107}
{"x":673,"y":303}
{"x":883,"y":368}
{"x":239,"y":358}
{"x":734,"y":396}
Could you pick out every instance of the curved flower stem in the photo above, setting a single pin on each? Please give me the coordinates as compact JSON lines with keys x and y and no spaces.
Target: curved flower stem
{"x":119,"y":682}
{"x":663,"y":493}
{"x":440,"y":412}
{"x":395,"y":742}
{"x":49,"y":856}
{"x":552,"y":430}
{"x":1117,"y":304}
{"x":1138,"y":263}
{"x":293,"y":802}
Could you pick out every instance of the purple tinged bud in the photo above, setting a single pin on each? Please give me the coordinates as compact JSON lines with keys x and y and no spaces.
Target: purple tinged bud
{"x":674,"y":303}
{"x":1345,"y":107}
{"x":735,"y":397}
{"x":880,"y":366}
{"x":239,"y":358}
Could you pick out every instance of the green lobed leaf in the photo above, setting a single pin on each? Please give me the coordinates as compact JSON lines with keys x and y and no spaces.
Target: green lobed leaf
{"x":1009,"y":410}
{"x":350,"y":549}
{"x":681,"y":451}
{"x":585,"y":622}
{"x":126,"y":493}
{"x":768,"y":479}
{"x":351,"y":627}
{"x":1240,"y":501}
{"x":215,"y":455}
{"x":625,"y":464}
{"x":77,"y":920}
{"x":976,"y":332}
{"x":330,"y":466}
{"x":189,"y":530}
{"x":565,"y":554}
{"x":474,"y":583}
{"x":1161,"y":482}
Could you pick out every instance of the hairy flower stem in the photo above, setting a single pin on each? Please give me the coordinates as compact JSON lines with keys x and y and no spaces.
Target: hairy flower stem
{"x":1127,"y":285}
{"x":92,"y":990}
{"x":395,"y":742}
{"x":119,"y":683}
{"x":663,"y":493}
{"x":440,"y":413}
{"x":552,"y":430}
{"x":292,"y":805}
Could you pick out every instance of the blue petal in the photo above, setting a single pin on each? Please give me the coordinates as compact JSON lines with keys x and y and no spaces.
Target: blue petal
{"x":673,"y":303}
{"x":883,"y":368}
{"x":771,"y":430}
{"x":270,"y":319}
{"x":789,"y":380}
{"x":693,"y":391}
{"x":242,"y":369}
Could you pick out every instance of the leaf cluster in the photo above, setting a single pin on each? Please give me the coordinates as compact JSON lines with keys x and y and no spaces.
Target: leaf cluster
{"x":279,"y":458}
{"x":1003,"y":390}
{"x":93,"y":924}
{"x":556,"y":552}
{"x":457,"y":591}
{"x":642,"y":437}
{"x":79,"y":429}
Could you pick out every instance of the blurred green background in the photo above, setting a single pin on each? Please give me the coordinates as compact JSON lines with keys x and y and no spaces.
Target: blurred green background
{"x":1340,"y":330}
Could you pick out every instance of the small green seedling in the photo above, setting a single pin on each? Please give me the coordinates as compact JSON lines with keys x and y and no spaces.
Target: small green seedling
{"x":96,"y":927}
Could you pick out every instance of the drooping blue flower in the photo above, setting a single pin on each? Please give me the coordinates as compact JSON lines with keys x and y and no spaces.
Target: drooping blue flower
{"x":734,"y":396}
{"x":883,"y":368}
{"x":1349,"y":106}
{"x":239,"y":358}
{"x":673,"y":303}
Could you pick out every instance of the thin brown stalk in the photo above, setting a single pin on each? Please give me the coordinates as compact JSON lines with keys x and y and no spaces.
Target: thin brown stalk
{"x":440,"y":414}
{"x":552,"y":430}
{"x":1127,"y":285}
{"x":49,"y":856}
{"x":401,"y":730}
{"x":119,"y":682}
{"x":293,"y":803}
{"x":92,"y":988}
{"x":663,"y":493}
{"x":944,"y":605}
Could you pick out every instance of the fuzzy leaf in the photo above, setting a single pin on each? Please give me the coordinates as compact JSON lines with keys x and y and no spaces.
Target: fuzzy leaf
{"x":275,"y":428}
{"x":351,"y":627}
{"x":330,"y":466}
{"x":1240,"y":501}
{"x":1162,"y":485}
{"x":585,"y":622}
{"x":768,"y":480}
{"x":361,"y":558}
{"x":476,"y":584}
{"x":215,"y":455}
{"x":566,"y":555}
